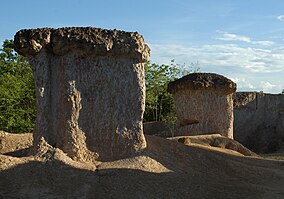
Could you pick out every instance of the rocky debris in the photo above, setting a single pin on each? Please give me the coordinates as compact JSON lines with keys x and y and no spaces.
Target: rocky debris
{"x":90,"y":90}
{"x":204,"y":104}
{"x":215,"y":140}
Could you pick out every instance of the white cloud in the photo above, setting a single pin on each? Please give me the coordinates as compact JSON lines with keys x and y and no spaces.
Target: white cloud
{"x":248,"y":59}
{"x":243,"y":83}
{"x":263,"y":43}
{"x":252,"y":68}
{"x":266,"y":86}
{"x":225,"y":36}
{"x":280,"y":17}
{"x":233,"y":37}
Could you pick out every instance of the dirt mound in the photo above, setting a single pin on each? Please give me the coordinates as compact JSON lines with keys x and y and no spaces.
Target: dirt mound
{"x":215,"y":140}
{"x":166,"y":169}
{"x":15,"y":144}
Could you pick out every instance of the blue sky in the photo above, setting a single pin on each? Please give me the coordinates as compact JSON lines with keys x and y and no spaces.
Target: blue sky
{"x":240,"y":39}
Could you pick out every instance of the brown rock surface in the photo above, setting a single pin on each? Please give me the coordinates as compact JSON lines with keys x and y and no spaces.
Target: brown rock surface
{"x":203,"y":81}
{"x":259,"y":121}
{"x":90,"y":90}
{"x":83,"y":40}
{"x":157,"y":128}
{"x":203,"y":103}
{"x":166,"y":169}
{"x":245,"y":99}
{"x":11,"y":143}
{"x":214,"y":140}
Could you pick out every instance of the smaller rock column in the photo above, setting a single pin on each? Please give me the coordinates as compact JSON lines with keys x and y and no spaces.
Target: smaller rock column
{"x":204,"y":104}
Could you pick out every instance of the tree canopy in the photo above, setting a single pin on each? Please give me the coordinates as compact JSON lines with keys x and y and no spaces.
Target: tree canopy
{"x":17,"y":92}
{"x":159,"y":103}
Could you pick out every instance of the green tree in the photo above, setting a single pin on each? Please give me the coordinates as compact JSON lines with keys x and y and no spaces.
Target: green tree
{"x":159,"y":103}
{"x":17,"y":92}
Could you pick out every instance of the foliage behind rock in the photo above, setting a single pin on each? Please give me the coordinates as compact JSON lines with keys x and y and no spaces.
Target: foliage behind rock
{"x":17,"y":93}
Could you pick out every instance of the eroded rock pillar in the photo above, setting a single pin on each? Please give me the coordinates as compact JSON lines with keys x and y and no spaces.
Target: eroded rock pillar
{"x":90,"y":89}
{"x":204,"y":104}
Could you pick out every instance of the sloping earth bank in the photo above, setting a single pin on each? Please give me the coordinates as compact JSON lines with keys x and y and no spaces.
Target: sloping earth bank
{"x":167,"y":169}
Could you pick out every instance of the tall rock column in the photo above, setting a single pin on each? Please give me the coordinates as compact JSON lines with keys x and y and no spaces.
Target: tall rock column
{"x":90,"y":89}
{"x":204,"y":104}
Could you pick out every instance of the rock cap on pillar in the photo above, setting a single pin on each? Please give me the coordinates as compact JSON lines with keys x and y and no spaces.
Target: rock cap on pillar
{"x":203,"y":81}
{"x":91,"y":41}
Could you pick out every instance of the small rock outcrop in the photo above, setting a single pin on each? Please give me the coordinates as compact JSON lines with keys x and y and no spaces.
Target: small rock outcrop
{"x":259,"y":121}
{"x":204,"y":104}
{"x":214,"y":140}
{"x":90,"y":89}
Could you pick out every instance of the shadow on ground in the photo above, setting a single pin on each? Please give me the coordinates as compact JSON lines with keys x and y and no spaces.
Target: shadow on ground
{"x":193,"y":173}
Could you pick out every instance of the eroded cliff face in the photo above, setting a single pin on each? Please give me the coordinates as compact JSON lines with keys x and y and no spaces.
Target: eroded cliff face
{"x":90,"y":90}
{"x":259,"y":121}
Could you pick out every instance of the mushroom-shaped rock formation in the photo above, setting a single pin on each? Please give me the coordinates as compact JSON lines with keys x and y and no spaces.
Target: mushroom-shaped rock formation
{"x":90,"y":89}
{"x":204,"y":104}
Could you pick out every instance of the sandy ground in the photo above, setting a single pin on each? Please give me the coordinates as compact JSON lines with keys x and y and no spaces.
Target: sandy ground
{"x":167,"y":169}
